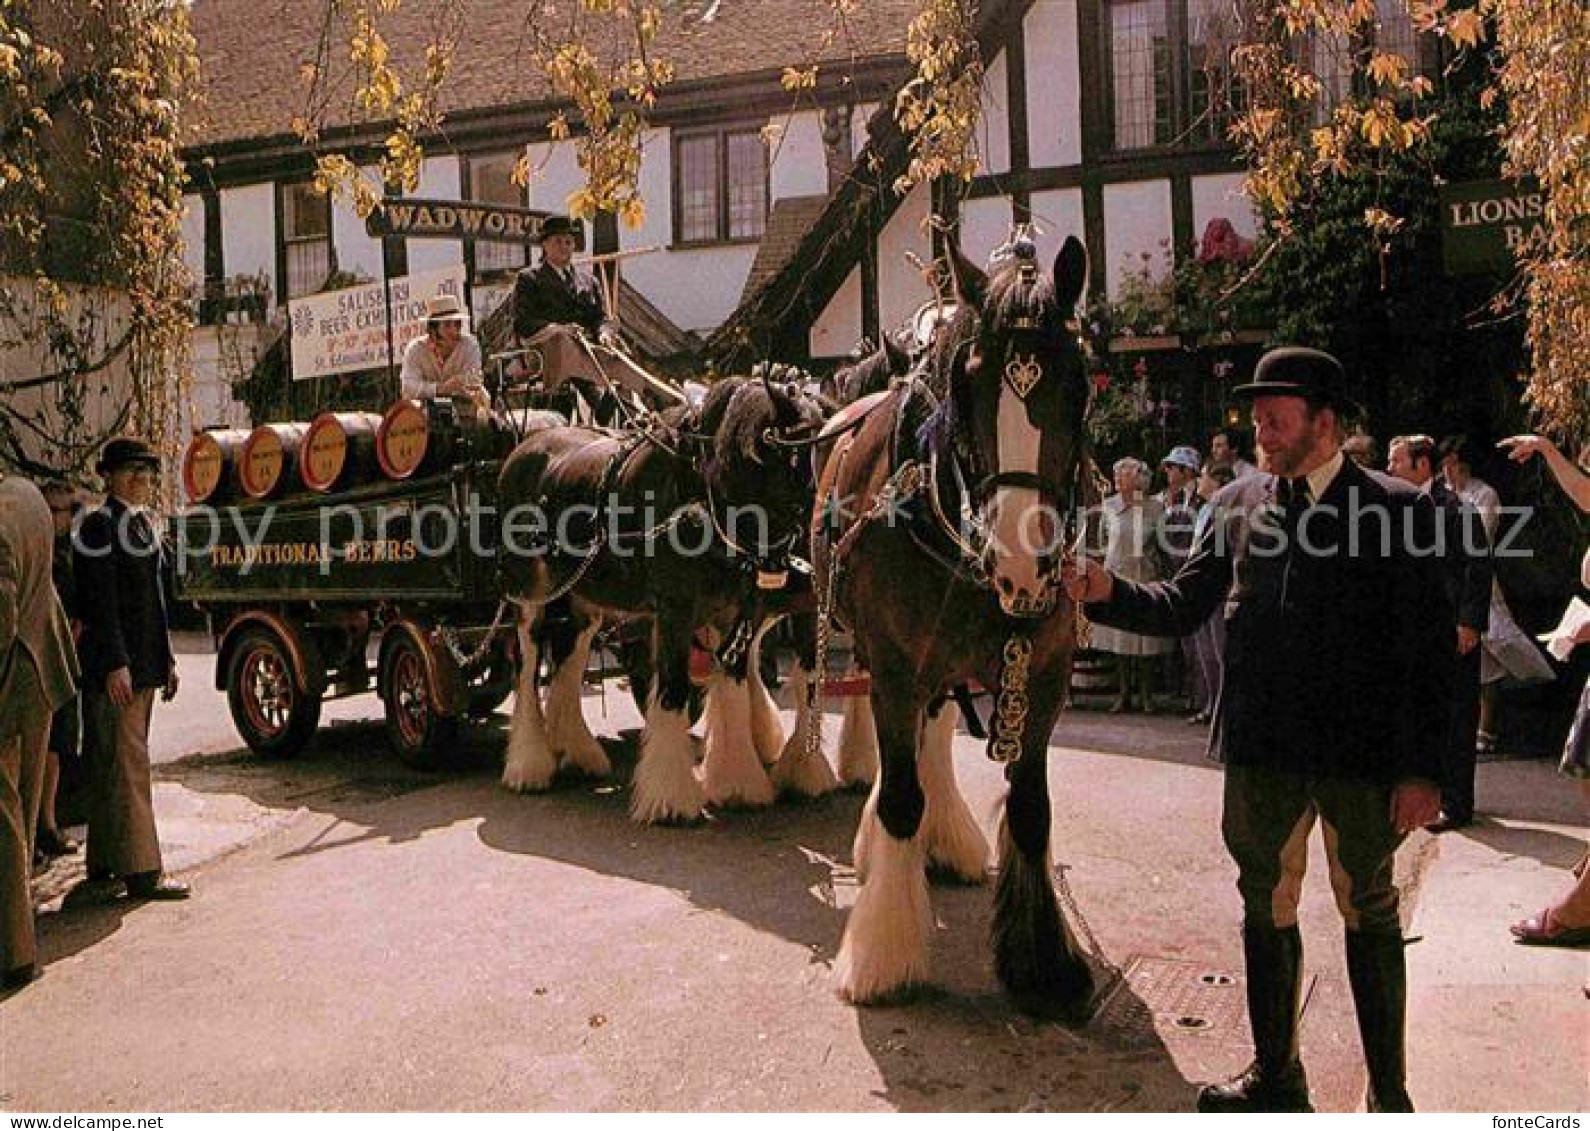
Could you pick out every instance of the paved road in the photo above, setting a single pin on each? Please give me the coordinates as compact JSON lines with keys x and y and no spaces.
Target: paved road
{"x":367,"y":937}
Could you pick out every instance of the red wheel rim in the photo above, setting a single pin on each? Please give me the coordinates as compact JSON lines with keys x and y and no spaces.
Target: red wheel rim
{"x":411,"y":700}
{"x":267,"y":691}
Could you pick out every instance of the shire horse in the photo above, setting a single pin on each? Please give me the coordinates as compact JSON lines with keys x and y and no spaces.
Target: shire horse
{"x":682,"y":522}
{"x":937,"y":539}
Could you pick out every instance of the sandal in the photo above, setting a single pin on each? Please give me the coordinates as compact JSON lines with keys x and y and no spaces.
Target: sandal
{"x":1538,"y":930}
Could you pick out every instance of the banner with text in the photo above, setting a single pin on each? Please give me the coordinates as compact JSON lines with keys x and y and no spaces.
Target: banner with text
{"x":345,"y":331}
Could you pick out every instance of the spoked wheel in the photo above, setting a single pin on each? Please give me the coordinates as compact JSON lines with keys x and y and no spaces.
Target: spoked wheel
{"x":421,"y":736}
{"x":275,"y":717}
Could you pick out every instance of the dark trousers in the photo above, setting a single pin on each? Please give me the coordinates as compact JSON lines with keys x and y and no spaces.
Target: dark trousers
{"x":1267,"y":819}
{"x":1457,"y":757}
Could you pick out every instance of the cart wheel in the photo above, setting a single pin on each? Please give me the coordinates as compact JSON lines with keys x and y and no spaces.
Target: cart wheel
{"x":270,"y":711}
{"x":420,"y":735}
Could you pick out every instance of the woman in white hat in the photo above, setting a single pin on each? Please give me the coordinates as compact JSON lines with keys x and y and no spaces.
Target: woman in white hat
{"x":446,"y":361}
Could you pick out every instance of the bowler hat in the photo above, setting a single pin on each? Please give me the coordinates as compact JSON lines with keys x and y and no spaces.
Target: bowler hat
{"x":126,"y":451}
{"x":445,"y":308}
{"x":1295,"y":371}
{"x":561,"y":226}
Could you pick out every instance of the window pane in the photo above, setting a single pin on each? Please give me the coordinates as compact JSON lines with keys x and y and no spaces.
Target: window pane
{"x":308,"y":266}
{"x":1394,"y":32}
{"x":697,"y":180}
{"x":1140,"y":57}
{"x":307,"y":214}
{"x":747,"y":185}
{"x":491,"y":181}
{"x":1216,"y":94}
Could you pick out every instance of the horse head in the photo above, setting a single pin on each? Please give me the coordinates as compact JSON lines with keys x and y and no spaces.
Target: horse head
{"x":871,"y":371}
{"x":1018,"y":391}
{"x":757,"y":466}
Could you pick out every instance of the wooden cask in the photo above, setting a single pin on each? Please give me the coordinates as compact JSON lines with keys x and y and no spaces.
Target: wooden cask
{"x":210,"y":463}
{"x":267,"y":459}
{"x":338,"y":450}
{"x":416,"y":436}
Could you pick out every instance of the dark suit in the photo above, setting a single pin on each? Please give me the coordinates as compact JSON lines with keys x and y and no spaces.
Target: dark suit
{"x":117,"y":562}
{"x":1336,"y":666}
{"x":541,"y":296}
{"x":1469,"y":571}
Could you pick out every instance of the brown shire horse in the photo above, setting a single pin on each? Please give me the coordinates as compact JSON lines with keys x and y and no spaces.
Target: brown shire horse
{"x":943,"y":517}
{"x":678,"y":521}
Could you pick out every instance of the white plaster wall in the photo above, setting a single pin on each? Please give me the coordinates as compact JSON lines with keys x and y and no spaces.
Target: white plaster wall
{"x":1213,"y":197}
{"x":798,"y":165}
{"x":900,"y":286}
{"x":858,"y":126}
{"x":838,"y":328}
{"x":696,"y":288}
{"x":984,"y":225}
{"x":1056,"y":214}
{"x":1136,"y":223}
{"x":439,"y":180}
{"x":993,"y":130}
{"x":248,"y":231}
{"x":221,"y":354}
{"x":356,"y":251}
{"x":555,"y":175}
{"x":193,"y":235}
{"x":1054,"y":84}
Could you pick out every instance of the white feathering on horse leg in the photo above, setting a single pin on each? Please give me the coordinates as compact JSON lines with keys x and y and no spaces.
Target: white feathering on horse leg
{"x":858,"y":743}
{"x":767,"y":733}
{"x":530,"y":765}
{"x":885,"y":948}
{"x":571,"y":739}
{"x":954,"y":840}
{"x":800,"y":769}
{"x":731,"y":773}
{"x":664,"y":787}
{"x":866,"y":832}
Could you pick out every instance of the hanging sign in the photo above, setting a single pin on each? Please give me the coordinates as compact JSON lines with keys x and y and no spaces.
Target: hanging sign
{"x":344,"y":331}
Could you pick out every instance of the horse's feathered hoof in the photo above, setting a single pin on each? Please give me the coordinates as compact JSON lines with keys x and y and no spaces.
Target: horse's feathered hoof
{"x":885,"y":949}
{"x":526,"y":779}
{"x":803,"y":773}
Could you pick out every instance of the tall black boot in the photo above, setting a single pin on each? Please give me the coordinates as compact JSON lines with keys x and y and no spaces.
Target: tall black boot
{"x":1379,"y":976}
{"x":1274,"y":1082}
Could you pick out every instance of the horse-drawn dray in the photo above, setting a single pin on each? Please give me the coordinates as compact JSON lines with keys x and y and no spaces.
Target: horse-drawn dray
{"x":306,"y":542}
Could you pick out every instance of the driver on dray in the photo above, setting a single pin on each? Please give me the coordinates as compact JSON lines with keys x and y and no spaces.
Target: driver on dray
{"x":561,"y":312}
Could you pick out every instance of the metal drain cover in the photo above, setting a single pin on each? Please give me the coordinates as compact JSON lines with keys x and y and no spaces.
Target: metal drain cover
{"x":1169,"y":1000}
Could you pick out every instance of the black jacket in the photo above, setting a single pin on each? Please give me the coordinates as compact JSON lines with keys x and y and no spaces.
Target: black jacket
{"x":1469,"y":568}
{"x":116,"y":563}
{"x":1337,"y":663}
{"x":541,"y":296}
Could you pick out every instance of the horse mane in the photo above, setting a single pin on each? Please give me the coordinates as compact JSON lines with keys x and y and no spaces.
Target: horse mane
{"x":738,"y":410}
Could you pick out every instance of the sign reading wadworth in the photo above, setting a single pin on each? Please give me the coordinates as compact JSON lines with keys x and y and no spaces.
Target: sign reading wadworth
{"x":345,"y":331}
{"x":454,"y":220}
{"x":1484,"y":224}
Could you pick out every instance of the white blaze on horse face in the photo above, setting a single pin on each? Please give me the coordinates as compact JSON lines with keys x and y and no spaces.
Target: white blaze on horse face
{"x":1021,"y":527}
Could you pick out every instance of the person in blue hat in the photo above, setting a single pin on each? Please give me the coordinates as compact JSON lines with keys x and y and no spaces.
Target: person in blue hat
{"x":1337,"y":688}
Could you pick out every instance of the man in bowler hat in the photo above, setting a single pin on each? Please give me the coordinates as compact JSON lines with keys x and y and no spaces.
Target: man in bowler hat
{"x":38,"y":672}
{"x":127,"y":659}
{"x":561,"y":311}
{"x":1339,"y":657}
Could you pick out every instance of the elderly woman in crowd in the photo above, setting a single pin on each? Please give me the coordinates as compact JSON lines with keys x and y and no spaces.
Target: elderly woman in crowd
{"x":1130,"y":522}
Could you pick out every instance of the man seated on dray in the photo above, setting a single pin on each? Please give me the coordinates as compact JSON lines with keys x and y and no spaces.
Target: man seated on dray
{"x":445,"y":361}
{"x":560,"y":312}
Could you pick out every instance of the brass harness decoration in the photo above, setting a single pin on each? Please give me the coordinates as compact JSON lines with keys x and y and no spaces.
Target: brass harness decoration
{"x":1010,"y":708}
{"x":1022,"y":372}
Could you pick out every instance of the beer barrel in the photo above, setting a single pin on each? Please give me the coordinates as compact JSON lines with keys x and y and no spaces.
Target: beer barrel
{"x":415,"y":436}
{"x":209,"y":462}
{"x":338,"y":450}
{"x":267,"y":458}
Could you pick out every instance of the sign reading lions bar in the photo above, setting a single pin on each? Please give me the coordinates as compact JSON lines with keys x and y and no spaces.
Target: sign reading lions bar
{"x":345,"y":331}
{"x":1485,"y":224}
{"x":454,"y":220}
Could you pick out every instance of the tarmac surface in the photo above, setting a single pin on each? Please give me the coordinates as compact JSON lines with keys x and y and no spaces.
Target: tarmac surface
{"x":366,"y":937}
